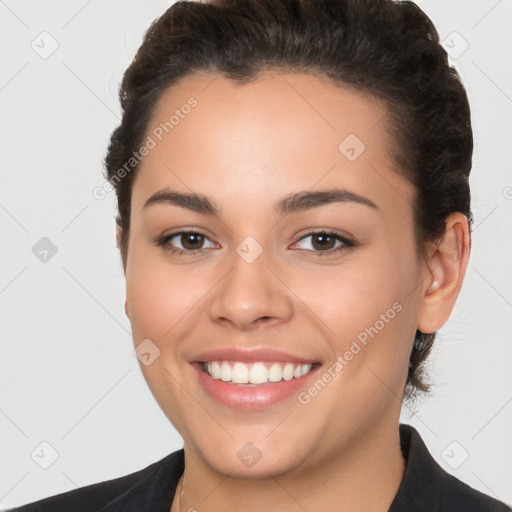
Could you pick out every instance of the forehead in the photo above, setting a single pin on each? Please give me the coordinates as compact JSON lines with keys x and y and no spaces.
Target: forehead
{"x":261,"y":140}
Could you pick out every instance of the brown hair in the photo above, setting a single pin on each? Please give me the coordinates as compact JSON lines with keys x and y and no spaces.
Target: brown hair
{"x":385,"y":48}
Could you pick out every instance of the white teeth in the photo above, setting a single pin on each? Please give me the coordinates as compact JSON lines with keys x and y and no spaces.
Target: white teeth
{"x":239,"y":374}
{"x":275,"y":373}
{"x":306,"y":368}
{"x":225,"y":372}
{"x":288,"y":372}
{"x":258,"y":374}
{"x":215,"y":371}
{"x":255,"y":373}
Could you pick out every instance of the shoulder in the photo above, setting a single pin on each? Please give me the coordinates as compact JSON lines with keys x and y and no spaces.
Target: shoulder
{"x":426,"y":486}
{"x":456,"y":495}
{"x":155,"y":484}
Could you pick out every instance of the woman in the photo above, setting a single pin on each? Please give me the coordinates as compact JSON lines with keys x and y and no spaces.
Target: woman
{"x":294,"y":225}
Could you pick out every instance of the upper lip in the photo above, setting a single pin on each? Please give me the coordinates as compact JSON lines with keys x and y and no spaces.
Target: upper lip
{"x":250,"y":356}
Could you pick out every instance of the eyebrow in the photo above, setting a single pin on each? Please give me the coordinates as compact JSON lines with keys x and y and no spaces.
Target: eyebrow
{"x":293,"y":203}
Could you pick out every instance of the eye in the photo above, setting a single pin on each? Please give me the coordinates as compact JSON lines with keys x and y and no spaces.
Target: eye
{"x":324,"y":242}
{"x":191,"y":242}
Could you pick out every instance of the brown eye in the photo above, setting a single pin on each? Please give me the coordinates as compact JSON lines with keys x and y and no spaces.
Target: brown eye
{"x":183,"y":242}
{"x":324,"y":242}
{"x":191,"y":241}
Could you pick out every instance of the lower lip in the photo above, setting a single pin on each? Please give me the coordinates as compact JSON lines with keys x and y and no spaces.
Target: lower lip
{"x":251,"y":398}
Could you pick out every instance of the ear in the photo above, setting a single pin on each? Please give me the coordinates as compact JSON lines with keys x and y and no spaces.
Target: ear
{"x":446,"y":266}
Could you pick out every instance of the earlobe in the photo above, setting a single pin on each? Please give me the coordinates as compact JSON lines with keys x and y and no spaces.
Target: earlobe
{"x":447,"y":263}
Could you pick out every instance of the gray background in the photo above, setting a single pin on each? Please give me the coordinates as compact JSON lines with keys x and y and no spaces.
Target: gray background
{"x":67,"y":373}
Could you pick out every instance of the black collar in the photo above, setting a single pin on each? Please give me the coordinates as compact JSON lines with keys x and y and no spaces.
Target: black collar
{"x":425,"y":486}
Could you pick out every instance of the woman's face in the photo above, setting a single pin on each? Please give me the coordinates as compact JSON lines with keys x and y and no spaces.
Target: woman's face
{"x":261,"y":286}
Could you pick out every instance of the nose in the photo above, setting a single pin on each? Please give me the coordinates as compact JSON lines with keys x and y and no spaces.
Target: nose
{"x":251,"y":295}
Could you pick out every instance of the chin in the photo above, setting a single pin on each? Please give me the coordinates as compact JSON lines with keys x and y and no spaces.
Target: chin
{"x":252,"y":464}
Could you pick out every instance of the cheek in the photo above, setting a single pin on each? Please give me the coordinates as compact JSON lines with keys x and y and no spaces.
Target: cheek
{"x":371,"y":315}
{"x":159,"y":295}
{"x":161,"y":298}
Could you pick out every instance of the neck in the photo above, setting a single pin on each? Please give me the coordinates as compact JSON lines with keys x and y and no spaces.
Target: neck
{"x":364,"y":476}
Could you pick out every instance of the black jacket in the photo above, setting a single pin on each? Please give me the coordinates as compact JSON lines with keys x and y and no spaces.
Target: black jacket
{"x":425,"y":487}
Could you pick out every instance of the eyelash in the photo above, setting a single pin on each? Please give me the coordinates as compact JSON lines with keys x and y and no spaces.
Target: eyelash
{"x":346,"y":242}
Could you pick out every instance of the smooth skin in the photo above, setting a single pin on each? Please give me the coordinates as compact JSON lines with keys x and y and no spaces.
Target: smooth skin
{"x":246,"y":148}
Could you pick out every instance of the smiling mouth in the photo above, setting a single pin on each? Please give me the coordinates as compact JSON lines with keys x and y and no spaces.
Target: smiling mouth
{"x":256,"y":373}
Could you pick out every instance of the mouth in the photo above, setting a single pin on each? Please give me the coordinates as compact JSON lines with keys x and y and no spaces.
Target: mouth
{"x":256,"y":373}
{"x":256,"y":385}
{"x":252,"y":379}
